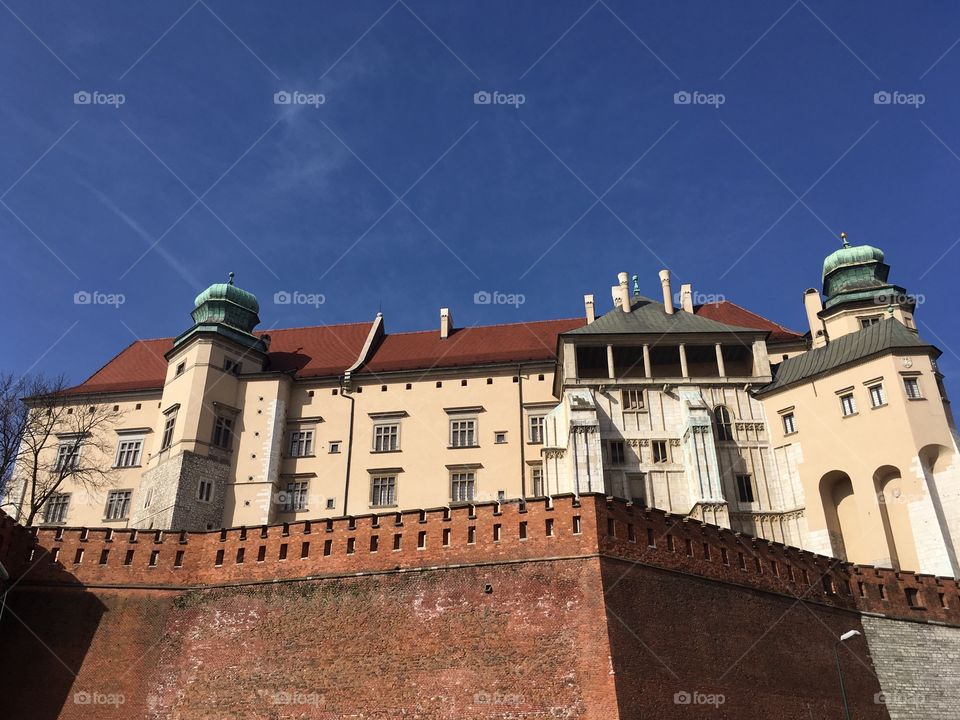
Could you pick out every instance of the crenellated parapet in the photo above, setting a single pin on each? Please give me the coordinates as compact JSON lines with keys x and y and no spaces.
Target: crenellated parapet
{"x":543,"y":529}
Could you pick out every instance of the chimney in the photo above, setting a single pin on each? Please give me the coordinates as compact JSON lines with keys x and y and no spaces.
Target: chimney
{"x":624,"y":291}
{"x":667,"y":291}
{"x":686,"y":297}
{"x":588,"y":306}
{"x":446,"y":323}
{"x":813,"y":305}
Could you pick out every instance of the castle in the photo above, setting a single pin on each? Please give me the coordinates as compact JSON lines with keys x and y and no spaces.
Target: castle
{"x":671,"y":512}
{"x":839,"y":441}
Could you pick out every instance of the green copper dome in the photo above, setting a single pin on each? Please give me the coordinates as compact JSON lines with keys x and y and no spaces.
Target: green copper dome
{"x":227,"y":310}
{"x":851,"y":255}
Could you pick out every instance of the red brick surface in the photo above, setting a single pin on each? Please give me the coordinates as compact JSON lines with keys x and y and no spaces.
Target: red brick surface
{"x":611,"y":621}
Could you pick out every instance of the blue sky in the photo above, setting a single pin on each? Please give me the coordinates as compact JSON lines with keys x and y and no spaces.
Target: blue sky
{"x":399,"y":192}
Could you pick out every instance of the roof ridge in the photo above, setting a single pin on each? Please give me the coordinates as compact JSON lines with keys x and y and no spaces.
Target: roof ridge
{"x":755,"y":314}
{"x":495,"y":325}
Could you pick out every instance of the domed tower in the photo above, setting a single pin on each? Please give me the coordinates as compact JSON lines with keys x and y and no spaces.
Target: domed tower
{"x":857,"y":294}
{"x":226,"y":310}
{"x":195,"y":445}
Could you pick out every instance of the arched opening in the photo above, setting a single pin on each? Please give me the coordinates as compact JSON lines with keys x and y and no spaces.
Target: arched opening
{"x":724,"y":423}
{"x":940,"y":472}
{"x":840,"y":512}
{"x":893,"y":499}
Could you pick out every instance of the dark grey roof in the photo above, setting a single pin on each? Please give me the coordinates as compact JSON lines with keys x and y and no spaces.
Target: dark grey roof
{"x":648,"y":316}
{"x":885,"y":335}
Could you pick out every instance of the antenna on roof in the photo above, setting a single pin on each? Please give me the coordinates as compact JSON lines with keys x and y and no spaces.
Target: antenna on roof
{"x":843,"y":238}
{"x":230,"y":282}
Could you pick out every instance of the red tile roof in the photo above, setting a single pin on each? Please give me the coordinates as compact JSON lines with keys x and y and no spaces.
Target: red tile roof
{"x":732,"y":314}
{"x":325,"y":351}
{"x":479,"y":345}
{"x":308,"y":352}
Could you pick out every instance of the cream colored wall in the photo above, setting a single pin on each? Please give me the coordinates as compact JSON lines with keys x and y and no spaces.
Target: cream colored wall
{"x":875,"y":439}
{"x":844,"y":322}
{"x":88,"y":504}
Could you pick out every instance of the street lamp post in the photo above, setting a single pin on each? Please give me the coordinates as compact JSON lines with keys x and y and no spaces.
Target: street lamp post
{"x":836,"y":652}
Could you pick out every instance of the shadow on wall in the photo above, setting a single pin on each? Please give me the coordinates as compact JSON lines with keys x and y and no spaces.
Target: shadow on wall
{"x":46,"y":636}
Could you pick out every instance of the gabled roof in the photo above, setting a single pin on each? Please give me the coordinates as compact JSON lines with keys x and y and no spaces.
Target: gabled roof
{"x":888,"y":334}
{"x":732,"y":314}
{"x":479,"y":345}
{"x":648,"y":316}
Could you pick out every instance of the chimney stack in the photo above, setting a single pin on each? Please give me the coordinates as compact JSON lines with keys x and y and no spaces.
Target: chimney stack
{"x":813,"y":304}
{"x":446,"y":323}
{"x":667,"y":291}
{"x":686,"y":297}
{"x":624,"y":291}
{"x":588,"y":306}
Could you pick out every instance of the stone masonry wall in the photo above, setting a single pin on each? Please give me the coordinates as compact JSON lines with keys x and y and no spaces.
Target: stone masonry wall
{"x":918,"y":665}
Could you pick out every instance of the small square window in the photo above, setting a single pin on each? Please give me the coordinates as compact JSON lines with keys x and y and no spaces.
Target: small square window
{"x":334,"y":447}
{"x":500,"y":437}
{"x":632,"y":400}
{"x":180,"y":368}
{"x":331,"y":503}
{"x":848,"y":404}
{"x":912,"y":386}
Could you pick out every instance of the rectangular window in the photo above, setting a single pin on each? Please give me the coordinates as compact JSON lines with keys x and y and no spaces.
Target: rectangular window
{"x":789,"y":424}
{"x":168,"y":426}
{"x":745,"y":488}
{"x":660,"y":452}
{"x":335,"y":447}
{"x":295,"y":497}
{"x":912,"y":386}
{"x":500,"y":437}
{"x":383,"y":491}
{"x":848,"y":404}
{"x":68,"y":455}
{"x":231,"y":366}
{"x":386,"y":438}
{"x":118,"y":504}
{"x":223,"y":432}
{"x":536,"y":481}
{"x":877,"y":395}
{"x":463,"y":433}
{"x":536,"y":428}
{"x":55,"y":509}
{"x":301,"y":443}
{"x":148,"y":498}
{"x":633,"y":400}
{"x":205,"y":490}
{"x":462,"y":486}
{"x":866,"y":322}
{"x":128,"y":453}
{"x":617,"y":453}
